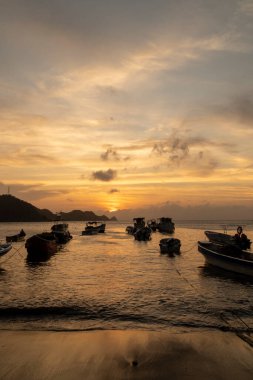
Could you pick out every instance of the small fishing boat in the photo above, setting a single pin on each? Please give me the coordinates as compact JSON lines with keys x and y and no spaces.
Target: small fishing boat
{"x":5,"y":248}
{"x":166,"y":225}
{"x":130,"y":230}
{"x":227,"y":257}
{"x":41,"y":246}
{"x":15,"y":238}
{"x":138,"y":223}
{"x":143,"y":234}
{"x":61,"y":233}
{"x":239,"y":240}
{"x":152,"y":224}
{"x":170,"y":246}
{"x":93,"y":228}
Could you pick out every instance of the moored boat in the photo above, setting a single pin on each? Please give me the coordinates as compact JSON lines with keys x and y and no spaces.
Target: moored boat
{"x":239,"y":240}
{"x":165,"y":224}
{"x":5,"y":248}
{"x":15,"y":238}
{"x":93,"y":228}
{"x":143,"y":234}
{"x":152,"y":224}
{"x":61,"y":233}
{"x":170,"y":245}
{"x":41,"y":246}
{"x":227,"y":257}
{"x":138,"y":223}
{"x":130,"y":230}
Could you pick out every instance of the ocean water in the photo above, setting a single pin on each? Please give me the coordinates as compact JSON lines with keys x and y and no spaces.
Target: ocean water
{"x":111,"y":281}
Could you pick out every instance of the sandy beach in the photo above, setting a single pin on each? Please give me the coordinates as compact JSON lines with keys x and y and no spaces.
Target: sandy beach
{"x":124,"y":355}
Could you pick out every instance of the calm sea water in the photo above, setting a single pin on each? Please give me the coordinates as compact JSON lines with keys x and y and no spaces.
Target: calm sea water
{"x":111,"y":281}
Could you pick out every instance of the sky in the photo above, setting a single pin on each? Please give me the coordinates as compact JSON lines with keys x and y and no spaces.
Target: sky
{"x":112,"y":105}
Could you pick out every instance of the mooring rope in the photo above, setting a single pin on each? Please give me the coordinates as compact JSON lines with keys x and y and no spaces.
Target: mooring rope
{"x":190,"y":249}
{"x":221,"y":315}
{"x":13,"y":254}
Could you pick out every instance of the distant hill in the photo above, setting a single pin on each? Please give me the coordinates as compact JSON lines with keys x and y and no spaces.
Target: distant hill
{"x":79,"y":215}
{"x":48,"y":214}
{"x":13,"y":209}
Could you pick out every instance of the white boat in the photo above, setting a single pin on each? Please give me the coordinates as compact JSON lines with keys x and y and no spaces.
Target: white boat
{"x":5,"y":248}
{"x":227,"y":257}
{"x":239,"y":240}
{"x":93,"y":228}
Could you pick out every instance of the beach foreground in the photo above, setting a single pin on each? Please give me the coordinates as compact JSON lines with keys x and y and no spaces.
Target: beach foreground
{"x":124,"y":355}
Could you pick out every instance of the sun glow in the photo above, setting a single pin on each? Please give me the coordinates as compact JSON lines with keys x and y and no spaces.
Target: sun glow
{"x":113,"y":209}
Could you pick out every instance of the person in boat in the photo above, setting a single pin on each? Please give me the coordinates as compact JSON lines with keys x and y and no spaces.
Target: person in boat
{"x":241,"y":239}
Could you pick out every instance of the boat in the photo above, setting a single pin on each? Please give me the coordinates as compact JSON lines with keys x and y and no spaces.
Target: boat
{"x":165,"y":225}
{"x":239,"y":240}
{"x":170,"y":246}
{"x":130,"y":230}
{"x":143,"y":234}
{"x":61,"y":233}
{"x":152,"y":224}
{"x":41,"y":246}
{"x":227,"y":257}
{"x":15,"y":238}
{"x":5,"y":248}
{"x":93,"y":228}
{"x":138,"y":223}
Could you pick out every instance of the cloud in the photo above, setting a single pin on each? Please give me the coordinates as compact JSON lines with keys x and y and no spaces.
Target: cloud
{"x":183,"y":149}
{"x":239,"y":109}
{"x":177,"y":145}
{"x":202,"y":211}
{"x":106,"y":176}
{"x":31,"y":192}
{"x":110,"y":153}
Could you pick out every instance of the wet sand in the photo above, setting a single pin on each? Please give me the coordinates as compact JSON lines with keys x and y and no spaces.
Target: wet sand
{"x":124,"y":355}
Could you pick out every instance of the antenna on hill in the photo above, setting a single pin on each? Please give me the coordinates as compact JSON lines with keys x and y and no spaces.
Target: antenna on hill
{"x":8,"y":190}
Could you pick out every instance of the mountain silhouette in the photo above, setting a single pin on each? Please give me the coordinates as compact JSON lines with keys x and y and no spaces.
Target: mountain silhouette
{"x":13,"y":209}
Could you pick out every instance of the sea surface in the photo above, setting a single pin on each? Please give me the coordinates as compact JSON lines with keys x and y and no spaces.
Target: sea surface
{"x":111,"y":281}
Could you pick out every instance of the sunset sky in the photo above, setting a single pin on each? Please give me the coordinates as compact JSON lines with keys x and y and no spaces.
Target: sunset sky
{"x":113,"y":104}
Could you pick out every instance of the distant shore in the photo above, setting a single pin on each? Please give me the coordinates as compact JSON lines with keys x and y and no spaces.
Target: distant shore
{"x":124,"y":355}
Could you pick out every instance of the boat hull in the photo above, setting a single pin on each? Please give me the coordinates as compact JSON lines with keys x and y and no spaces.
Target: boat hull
{"x":14,"y":239}
{"x":218,"y":237}
{"x":143,"y":234}
{"x":170,"y":246}
{"x":165,"y":225}
{"x":61,"y":233}
{"x":17,"y":237}
{"x":93,"y":229}
{"x":5,"y":248}
{"x":41,"y":247}
{"x":228,"y":262}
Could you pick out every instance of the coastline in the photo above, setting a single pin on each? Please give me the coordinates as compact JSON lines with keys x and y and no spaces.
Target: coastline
{"x":127,"y":354}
